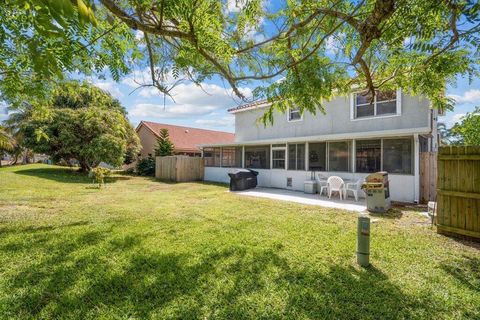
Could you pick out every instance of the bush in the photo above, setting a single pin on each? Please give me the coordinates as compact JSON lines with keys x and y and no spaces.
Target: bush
{"x":99,"y":174}
{"x":146,"y":167}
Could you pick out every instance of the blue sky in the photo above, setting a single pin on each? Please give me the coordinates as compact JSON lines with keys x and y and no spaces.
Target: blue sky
{"x":206,"y":106}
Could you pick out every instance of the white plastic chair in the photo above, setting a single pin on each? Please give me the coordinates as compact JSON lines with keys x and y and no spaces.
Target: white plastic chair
{"x":321,"y":180}
{"x":354,"y":187}
{"x":336,"y":184}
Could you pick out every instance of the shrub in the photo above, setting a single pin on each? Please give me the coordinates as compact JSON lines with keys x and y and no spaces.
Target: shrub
{"x":146,"y":167}
{"x":99,"y":174}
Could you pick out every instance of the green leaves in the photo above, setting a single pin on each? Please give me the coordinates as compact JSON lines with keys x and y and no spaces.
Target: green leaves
{"x":467,"y":131}
{"x":319,"y":47}
{"x":164,"y":147}
{"x":79,"y":122}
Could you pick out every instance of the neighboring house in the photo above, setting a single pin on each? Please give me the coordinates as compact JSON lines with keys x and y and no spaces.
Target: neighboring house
{"x":185,"y":139}
{"x":355,"y":137}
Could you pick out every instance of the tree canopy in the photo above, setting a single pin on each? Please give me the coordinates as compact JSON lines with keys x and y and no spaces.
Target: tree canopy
{"x":79,"y":122}
{"x":298,"y":52}
{"x":467,"y":131}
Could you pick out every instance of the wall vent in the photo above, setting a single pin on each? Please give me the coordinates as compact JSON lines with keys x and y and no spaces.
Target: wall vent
{"x":289,"y":182}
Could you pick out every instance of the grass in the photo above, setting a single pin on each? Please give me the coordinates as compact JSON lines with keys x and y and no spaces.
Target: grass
{"x":145,"y":249}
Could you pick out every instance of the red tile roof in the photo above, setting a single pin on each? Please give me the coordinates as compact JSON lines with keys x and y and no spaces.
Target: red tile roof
{"x":187,"y":139}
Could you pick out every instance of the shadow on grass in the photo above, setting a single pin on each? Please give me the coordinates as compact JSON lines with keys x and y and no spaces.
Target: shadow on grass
{"x":466,"y":270}
{"x":65,"y":175}
{"x":92,"y":274}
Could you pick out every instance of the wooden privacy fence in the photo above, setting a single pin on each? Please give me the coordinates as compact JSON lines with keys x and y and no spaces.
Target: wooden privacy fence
{"x":179,"y":168}
{"x":428,"y":176}
{"x":458,"y":200}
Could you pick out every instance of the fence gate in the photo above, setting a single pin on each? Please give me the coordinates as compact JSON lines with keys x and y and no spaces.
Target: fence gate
{"x":458,"y":200}
{"x":428,"y":176}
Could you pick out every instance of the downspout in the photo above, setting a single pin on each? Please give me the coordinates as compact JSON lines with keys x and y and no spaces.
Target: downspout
{"x":416,"y":166}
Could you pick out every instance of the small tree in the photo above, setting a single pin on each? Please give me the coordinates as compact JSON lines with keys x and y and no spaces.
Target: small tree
{"x":165,"y":147}
{"x":468,"y":130}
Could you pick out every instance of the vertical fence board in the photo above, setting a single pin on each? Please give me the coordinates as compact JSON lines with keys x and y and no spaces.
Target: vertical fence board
{"x":179,"y":168}
{"x":458,"y":187}
{"x":428,"y":176}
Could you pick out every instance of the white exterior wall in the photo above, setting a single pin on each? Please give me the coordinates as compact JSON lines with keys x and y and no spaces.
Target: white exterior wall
{"x":402,"y":187}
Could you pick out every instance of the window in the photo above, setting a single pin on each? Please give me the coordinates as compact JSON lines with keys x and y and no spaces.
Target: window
{"x":257,"y":157}
{"x":317,"y":156}
{"x":294,"y":115}
{"x":232,"y":157}
{"x":339,"y":156}
{"x":368,"y":155}
{"x":384,"y":103}
{"x":212,"y":157}
{"x":398,"y":155}
{"x":296,"y":156}
{"x":278,"y":159}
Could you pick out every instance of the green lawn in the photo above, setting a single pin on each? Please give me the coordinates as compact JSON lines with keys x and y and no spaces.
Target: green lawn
{"x":145,"y":249}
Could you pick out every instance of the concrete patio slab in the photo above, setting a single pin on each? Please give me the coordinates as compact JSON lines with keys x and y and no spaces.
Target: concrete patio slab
{"x":303,"y":198}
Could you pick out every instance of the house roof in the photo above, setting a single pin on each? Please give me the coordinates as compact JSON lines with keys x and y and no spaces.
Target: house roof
{"x":253,"y":105}
{"x":187,"y":139}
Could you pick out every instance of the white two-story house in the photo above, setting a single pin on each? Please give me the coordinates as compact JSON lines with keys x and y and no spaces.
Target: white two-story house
{"x":354,"y":138}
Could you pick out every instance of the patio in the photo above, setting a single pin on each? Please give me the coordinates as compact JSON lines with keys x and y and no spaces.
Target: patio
{"x":303,"y":198}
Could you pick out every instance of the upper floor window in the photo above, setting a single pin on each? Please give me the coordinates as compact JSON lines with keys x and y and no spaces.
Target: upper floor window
{"x":384,"y":103}
{"x":294,"y":115}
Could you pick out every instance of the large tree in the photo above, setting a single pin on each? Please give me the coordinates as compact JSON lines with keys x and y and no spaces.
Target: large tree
{"x":291,"y":51}
{"x":79,"y":121}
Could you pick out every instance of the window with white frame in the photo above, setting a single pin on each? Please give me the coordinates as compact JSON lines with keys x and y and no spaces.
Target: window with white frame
{"x":294,"y":114}
{"x":384,"y":103}
{"x":278,"y":156}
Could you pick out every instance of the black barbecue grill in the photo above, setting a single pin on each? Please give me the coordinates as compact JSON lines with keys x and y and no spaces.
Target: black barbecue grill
{"x":243,"y":179}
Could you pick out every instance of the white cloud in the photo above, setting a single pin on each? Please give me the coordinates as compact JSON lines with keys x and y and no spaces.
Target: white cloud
{"x":333,"y":43}
{"x":175,"y":111}
{"x":456,"y":118}
{"x":228,"y":121}
{"x":235,"y":5}
{"x":110,"y":87}
{"x":139,"y":35}
{"x":137,"y":78}
{"x":470,"y":96}
{"x":451,"y":118}
{"x":190,"y":102}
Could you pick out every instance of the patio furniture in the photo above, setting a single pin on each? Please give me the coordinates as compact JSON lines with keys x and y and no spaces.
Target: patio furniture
{"x":322,"y":183}
{"x":354,"y":188}
{"x":336,"y":184}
